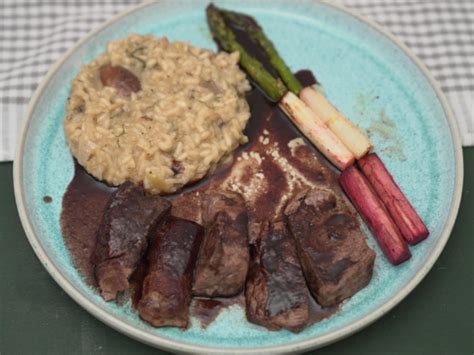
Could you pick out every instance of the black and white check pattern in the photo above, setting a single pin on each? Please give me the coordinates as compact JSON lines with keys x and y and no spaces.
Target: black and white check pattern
{"x":35,"y":33}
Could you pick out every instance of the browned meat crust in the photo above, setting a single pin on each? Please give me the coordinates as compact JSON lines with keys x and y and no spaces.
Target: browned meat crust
{"x":334,"y":255}
{"x":171,"y":260}
{"x":123,"y":235}
{"x":276,"y":294}
{"x":224,"y":256}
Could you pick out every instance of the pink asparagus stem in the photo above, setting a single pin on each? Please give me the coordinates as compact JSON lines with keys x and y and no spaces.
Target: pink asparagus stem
{"x":408,"y":221}
{"x":375,"y":215}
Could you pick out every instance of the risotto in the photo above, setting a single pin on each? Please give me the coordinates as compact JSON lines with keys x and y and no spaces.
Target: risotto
{"x":156,"y":112}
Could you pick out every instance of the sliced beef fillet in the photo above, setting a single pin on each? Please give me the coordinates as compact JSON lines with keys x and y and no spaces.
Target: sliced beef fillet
{"x":334,"y":255}
{"x":224,"y":256}
{"x":123,"y":235}
{"x":276,"y":294}
{"x":171,"y":258}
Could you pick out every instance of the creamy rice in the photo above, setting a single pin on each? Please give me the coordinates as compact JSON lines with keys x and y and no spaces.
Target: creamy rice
{"x":189,"y":114}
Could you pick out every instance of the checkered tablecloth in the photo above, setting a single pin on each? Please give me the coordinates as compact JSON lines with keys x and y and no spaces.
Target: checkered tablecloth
{"x":35,"y":33}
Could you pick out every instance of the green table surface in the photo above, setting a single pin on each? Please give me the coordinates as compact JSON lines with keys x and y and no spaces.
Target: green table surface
{"x":38,"y":317}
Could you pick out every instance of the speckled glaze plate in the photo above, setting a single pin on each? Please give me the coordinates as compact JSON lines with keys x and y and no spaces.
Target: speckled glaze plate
{"x":366,"y":72}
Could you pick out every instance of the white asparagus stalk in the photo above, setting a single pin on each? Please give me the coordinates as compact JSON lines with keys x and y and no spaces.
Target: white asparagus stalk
{"x":313,"y":127}
{"x":344,"y":129}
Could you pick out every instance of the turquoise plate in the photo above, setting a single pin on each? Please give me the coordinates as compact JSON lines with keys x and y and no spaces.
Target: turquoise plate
{"x":365,"y":71}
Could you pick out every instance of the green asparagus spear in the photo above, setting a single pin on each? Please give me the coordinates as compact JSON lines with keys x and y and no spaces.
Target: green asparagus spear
{"x":226,"y":39}
{"x":256,"y":34}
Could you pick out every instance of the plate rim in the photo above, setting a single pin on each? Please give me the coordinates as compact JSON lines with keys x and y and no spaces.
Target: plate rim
{"x":168,"y":344}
